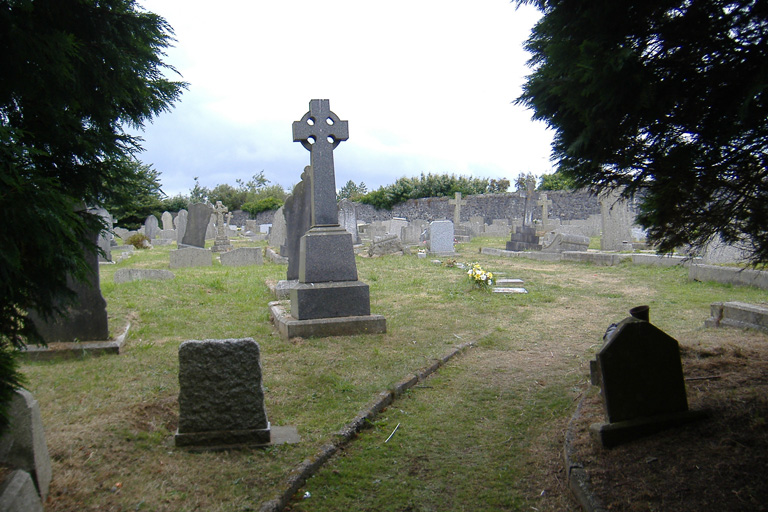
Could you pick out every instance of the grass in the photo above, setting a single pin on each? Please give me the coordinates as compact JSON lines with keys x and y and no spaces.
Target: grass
{"x":485,"y":433}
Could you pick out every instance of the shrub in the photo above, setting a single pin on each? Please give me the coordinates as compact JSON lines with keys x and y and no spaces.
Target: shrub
{"x":263,"y":205}
{"x":138,"y":240}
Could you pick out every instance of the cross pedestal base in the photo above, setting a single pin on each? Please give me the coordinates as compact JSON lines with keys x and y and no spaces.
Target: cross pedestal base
{"x":327,"y":254}
{"x":330,"y":300}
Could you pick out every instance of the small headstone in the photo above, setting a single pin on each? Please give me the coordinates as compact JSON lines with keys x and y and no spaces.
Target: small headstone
{"x":210,"y":230}
{"x":191,"y":257}
{"x":180,"y":223}
{"x":641,"y":380}
{"x":242,"y":256}
{"x":441,"y":237}
{"x":167,"y":219}
{"x":198,"y":217}
{"x":151,"y":227}
{"x":221,"y":243}
{"x":277,"y":232}
{"x":221,"y":398}
{"x":121,"y":233}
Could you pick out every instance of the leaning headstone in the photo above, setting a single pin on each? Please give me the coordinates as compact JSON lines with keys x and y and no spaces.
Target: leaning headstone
{"x":348,"y":218}
{"x":561,"y":242}
{"x":328,"y":285}
{"x":242,"y":256}
{"x":126,"y":275}
{"x":441,"y":237}
{"x":641,"y":381}
{"x":616,"y":221}
{"x":221,"y":243}
{"x":167,"y":220}
{"x":388,"y":244}
{"x":298,"y":220}
{"x":151,"y":227}
{"x":190,"y":257}
{"x":121,"y":233}
{"x":221,"y":397}
{"x":86,"y":318}
{"x":197,"y":222}
{"x":23,"y":445}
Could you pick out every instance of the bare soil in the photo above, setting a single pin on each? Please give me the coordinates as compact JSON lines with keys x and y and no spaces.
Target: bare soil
{"x":720,"y":463}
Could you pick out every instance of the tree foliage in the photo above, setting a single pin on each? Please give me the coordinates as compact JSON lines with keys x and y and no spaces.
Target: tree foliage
{"x":666,"y":98}
{"x":136,"y":198}
{"x":556,"y":181}
{"x":431,"y":185}
{"x":352,"y":191}
{"x":73,"y":74}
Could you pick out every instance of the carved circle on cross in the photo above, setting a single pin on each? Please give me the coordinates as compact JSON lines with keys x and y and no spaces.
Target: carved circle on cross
{"x":319,"y":130}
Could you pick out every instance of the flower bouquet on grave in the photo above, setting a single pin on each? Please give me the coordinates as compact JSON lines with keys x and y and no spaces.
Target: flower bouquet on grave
{"x":479,"y":277}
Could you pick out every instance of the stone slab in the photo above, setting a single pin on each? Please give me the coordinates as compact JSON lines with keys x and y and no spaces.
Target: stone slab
{"x":504,"y":281}
{"x":242,"y":257}
{"x":74,"y":349}
{"x":739,"y":315}
{"x":126,"y":275}
{"x":729,"y":275}
{"x":533,"y":255}
{"x":274,"y":257}
{"x":509,"y":290}
{"x":191,"y":257}
{"x":596,"y":258}
{"x":621,"y":432}
{"x":290,"y":327}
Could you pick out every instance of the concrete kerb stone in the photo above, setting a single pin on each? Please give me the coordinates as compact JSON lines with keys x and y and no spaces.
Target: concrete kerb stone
{"x":75,"y":349}
{"x":298,"y":477}
{"x":578,"y":480}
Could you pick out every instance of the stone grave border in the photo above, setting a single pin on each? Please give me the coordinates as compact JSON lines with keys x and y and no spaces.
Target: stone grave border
{"x":299,"y":475}
{"x":75,"y":349}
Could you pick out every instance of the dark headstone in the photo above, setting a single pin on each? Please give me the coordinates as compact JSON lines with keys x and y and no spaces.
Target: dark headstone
{"x":297,"y":211}
{"x":198,"y":217}
{"x":524,"y":239}
{"x":221,"y":398}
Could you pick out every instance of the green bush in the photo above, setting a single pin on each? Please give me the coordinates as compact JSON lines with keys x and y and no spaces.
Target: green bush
{"x":138,"y":240}
{"x":263,"y":205}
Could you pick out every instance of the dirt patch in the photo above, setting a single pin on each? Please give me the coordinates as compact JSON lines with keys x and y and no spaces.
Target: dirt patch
{"x":716,"y":464}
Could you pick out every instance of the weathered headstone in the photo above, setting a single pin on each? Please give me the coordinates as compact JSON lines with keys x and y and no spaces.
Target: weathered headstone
{"x":524,"y":239}
{"x":297,"y":211}
{"x":617,"y":221}
{"x":221,"y":243}
{"x":388,"y":244}
{"x":277,"y":231}
{"x":545,"y":205}
{"x":181,"y":226}
{"x":210,"y":230}
{"x":167,"y":219}
{"x":221,"y":398}
{"x":328,"y":286}
{"x":151,"y":227}
{"x":198,"y":217}
{"x":348,"y":218}
{"x":561,"y":242}
{"x":105,"y":236}
{"x":641,"y":380}
{"x":457,"y":203}
{"x":441,"y":237}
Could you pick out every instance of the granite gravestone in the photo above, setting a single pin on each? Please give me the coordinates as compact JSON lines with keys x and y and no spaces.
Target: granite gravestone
{"x":640,"y":375}
{"x":198,"y":216}
{"x":328,"y":286}
{"x":441,"y":237}
{"x":221,"y":398}
{"x":616,"y":221}
{"x":297,"y":211}
{"x":151,"y":227}
{"x":181,"y":225}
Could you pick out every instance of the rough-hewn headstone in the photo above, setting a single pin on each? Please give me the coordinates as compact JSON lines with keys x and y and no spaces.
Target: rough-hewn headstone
{"x":221,"y":398}
{"x":198,"y":217}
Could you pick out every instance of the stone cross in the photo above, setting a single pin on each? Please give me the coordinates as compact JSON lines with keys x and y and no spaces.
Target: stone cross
{"x":545,"y":204}
{"x":320,"y":131}
{"x":458,"y":203}
{"x":220,"y":210}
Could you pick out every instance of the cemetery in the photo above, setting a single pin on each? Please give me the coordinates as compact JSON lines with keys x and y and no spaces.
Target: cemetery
{"x":475,"y":393}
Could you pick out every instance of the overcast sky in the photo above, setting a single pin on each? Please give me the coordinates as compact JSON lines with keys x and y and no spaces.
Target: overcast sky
{"x":427,"y":86}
